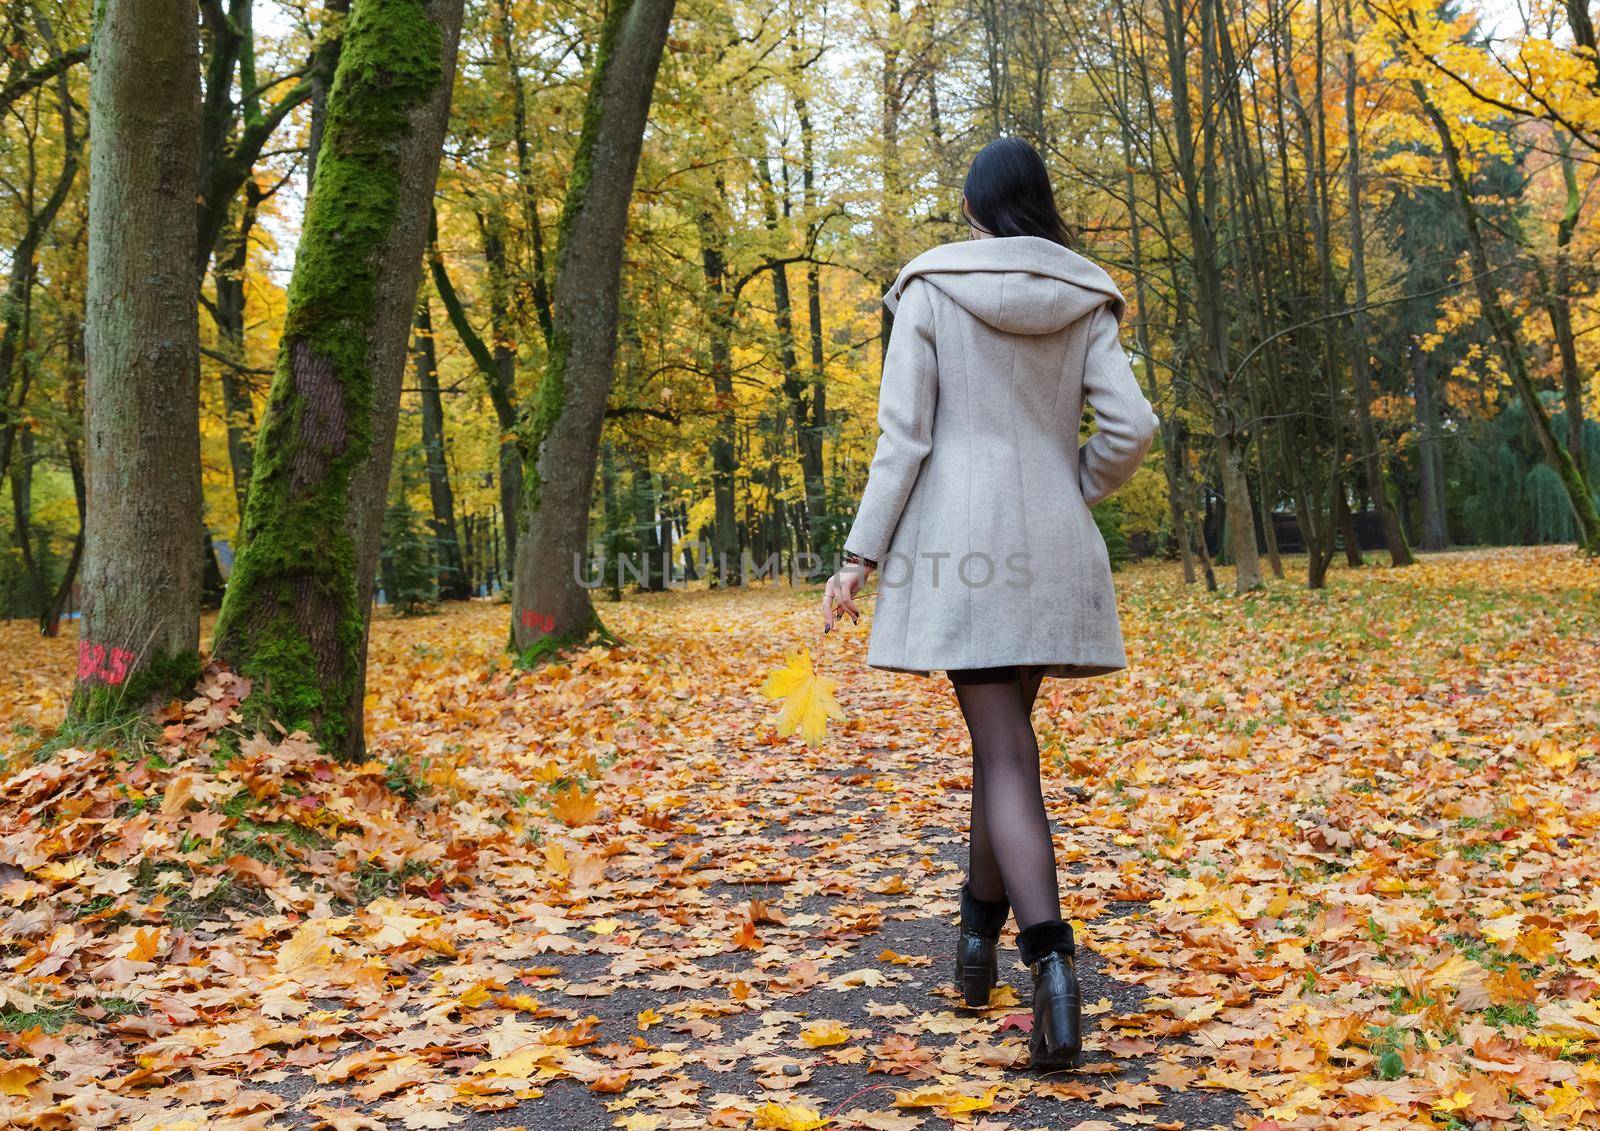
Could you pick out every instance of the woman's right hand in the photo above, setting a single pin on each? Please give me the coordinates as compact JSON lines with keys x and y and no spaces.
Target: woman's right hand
{"x":841,"y":592}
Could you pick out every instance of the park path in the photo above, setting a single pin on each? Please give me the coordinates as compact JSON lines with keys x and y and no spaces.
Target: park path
{"x":785,"y":927}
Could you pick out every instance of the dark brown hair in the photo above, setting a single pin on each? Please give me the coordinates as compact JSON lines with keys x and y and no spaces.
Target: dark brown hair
{"x":1008,"y":193}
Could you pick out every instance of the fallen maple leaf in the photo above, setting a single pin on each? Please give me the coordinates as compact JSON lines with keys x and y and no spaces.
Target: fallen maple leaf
{"x":573,"y":806}
{"x":146,"y":945}
{"x":808,"y":701}
{"x":17,"y":1077}
{"x":789,"y":1117}
{"x":950,"y":1102}
{"x":820,"y":1034}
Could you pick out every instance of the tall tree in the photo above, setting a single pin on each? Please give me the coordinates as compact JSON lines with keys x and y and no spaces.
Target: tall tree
{"x":1360,"y":363}
{"x":1199,"y":193}
{"x":297,"y":610}
{"x":233,"y":131}
{"x":498,"y":367}
{"x":1504,"y":329}
{"x":140,"y":633}
{"x":447,"y":547}
{"x":562,"y":435}
{"x":16,"y":301}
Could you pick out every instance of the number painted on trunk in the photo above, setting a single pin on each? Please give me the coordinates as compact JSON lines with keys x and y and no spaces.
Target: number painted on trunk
{"x":109,"y":665}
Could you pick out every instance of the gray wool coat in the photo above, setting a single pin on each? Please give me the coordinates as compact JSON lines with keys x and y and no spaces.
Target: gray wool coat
{"x":977,"y":503}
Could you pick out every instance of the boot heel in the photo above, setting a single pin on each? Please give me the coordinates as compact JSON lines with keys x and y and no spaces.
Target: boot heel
{"x":1061,"y":1034}
{"x":975,"y":987}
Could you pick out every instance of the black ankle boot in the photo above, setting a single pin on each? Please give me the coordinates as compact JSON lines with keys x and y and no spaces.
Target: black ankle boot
{"x":976,"y":968}
{"x":1057,"y":1001}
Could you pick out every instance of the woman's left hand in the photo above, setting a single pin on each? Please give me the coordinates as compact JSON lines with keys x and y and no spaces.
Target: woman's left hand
{"x":841,"y":592}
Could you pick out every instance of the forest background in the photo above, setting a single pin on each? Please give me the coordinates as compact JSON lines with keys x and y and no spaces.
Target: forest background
{"x":1357,"y":240}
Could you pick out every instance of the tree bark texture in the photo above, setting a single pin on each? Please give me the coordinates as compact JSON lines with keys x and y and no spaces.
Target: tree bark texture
{"x":298,"y":605}
{"x":140,"y":634}
{"x":562,"y":437}
{"x":452,"y":577}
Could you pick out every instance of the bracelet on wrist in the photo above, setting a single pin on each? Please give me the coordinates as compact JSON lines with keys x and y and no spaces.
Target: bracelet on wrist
{"x":852,"y":558}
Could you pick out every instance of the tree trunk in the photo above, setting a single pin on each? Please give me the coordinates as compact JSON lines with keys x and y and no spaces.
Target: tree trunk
{"x":1360,"y":367}
{"x":562,"y":435}
{"x":647,"y":520}
{"x":140,"y":635}
{"x":501,"y":331}
{"x":1347,"y":530}
{"x":498,"y":368}
{"x":727,"y":545}
{"x":526,"y":181}
{"x":48,"y":603}
{"x":234,"y":131}
{"x":1318,"y":474}
{"x":1435,"y":531}
{"x":1559,"y":307}
{"x":794,"y":386}
{"x":324,"y":63}
{"x":812,"y":462}
{"x":17,"y":300}
{"x":1169,"y":424}
{"x":452,"y":578}
{"x":228,"y":275}
{"x":296,"y":615}
{"x":1197,"y":174}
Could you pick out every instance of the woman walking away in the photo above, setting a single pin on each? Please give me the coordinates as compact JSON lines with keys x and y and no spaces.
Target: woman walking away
{"x":976,"y":514}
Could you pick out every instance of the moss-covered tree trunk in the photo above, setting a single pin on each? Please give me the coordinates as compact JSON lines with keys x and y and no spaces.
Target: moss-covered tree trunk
{"x":296,"y":614}
{"x":139,"y":637}
{"x":562,"y":433}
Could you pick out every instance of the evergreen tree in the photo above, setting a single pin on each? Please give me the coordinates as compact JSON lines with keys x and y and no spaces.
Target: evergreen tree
{"x":406,"y":563}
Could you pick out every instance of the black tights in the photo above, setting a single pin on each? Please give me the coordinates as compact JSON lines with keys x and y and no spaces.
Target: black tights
{"x":1011,"y":853}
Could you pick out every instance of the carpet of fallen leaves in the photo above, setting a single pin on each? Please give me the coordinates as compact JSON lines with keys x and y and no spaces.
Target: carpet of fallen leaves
{"x":1340,"y":847}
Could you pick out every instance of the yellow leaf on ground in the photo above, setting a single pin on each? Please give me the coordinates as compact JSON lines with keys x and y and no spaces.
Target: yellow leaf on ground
{"x":16,"y":1078}
{"x":950,"y":1102}
{"x":788,"y":1117}
{"x":146,"y":944}
{"x":820,"y":1034}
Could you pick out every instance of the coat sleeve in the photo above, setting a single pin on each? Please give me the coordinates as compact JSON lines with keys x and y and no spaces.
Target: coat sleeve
{"x":1126,"y":424}
{"x":906,"y":400}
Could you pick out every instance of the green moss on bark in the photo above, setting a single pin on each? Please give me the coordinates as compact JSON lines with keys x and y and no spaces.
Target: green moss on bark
{"x":293,"y":620}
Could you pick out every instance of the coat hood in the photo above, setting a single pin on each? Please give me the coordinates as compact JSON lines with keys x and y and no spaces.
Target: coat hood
{"x":1017,"y":284}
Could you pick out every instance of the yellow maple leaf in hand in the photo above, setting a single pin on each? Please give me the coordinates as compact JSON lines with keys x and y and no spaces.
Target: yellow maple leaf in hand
{"x":808,"y":701}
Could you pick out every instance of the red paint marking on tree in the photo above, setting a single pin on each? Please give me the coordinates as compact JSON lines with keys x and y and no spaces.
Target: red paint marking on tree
{"x":544,"y":622}
{"x":96,"y":661}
